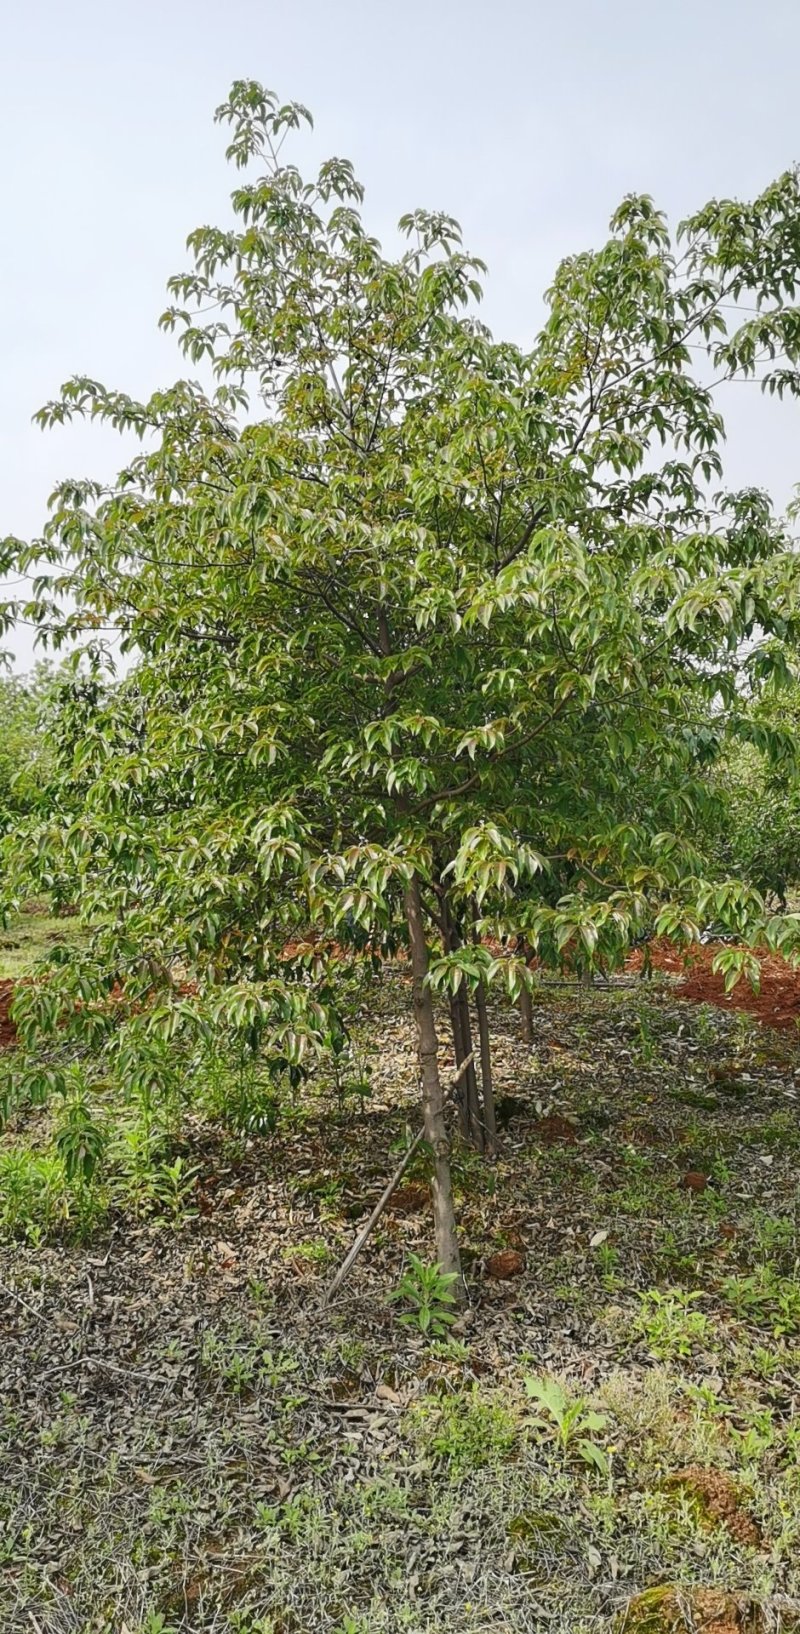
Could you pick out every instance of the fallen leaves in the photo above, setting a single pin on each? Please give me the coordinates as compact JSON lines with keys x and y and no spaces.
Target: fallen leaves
{"x":304,"y":1407}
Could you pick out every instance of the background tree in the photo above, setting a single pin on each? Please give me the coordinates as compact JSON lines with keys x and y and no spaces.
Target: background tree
{"x":26,"y":706}
{"x":428,"y":630}
{"x":752,"y":827}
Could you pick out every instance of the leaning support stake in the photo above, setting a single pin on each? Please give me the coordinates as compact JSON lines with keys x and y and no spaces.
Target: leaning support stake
{"x":366,"y":1231}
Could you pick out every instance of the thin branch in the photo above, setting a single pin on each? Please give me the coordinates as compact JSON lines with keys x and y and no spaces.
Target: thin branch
{"x":455,"y":792}
{"x":386,"y":1194}
{"x":527,"y":534}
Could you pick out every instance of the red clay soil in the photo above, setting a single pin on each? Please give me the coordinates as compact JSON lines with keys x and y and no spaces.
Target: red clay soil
{"x":7,"y":1028}
{"x":555,"y":1129}
{"x":776,"y":1004}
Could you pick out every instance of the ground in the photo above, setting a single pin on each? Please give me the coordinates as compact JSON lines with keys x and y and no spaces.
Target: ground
{"x":31,"y":935}
{"x":193,"y":1440}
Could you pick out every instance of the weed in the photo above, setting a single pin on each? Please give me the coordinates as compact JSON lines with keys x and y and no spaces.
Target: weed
{"x":743,"y":1031}
{"x":429,"y":1291}
{"x":382,"y":1498}
{"x":155,"y":1623}
{"x":670,"y":1323}
{"x":236,"y":1369}
{"x":760,"y":1361}
{"x":608,"y":1265}
{"x":243,"y":1622}
{"x":450,"y":1350}
{"x":32,"y":1186}
{"x":647,"y":1046}
{"x":249,"y":1106}
{"x":758,"y":1436}
{"x":352,"y":1075}
{"x":348,"y":1353}
{"x":39,"y":1201}
{"x":573,"y":1424}
{"x":721,"y":1174}
{"x":774,"y":1236}
{"x":313,"y":1252}
{"x":705,"y":1024}
{"x":296,"y":1519}
{"x":671,"y":1257}
{"x":145,"y":1181}
{"x":173,"y":1189}
{"x":469,"y":1430}
{"x":766,"y":1297}
{"x":781,"y":1129}
{"x":275,"y":1367}
{"x":243,"y":1362}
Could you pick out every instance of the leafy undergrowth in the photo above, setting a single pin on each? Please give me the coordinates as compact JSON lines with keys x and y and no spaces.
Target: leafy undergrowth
{"x":193,"y":1441}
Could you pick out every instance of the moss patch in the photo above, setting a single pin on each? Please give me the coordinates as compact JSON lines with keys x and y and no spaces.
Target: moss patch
{"x":716,"y":1500}
{"x":670,"y":1610}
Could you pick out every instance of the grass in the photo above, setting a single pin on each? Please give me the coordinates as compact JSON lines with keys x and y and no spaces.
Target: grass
{"x":28,"y":938}
{"x":191,"y":1440}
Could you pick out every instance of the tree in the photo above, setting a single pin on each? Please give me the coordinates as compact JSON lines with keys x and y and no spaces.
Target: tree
{"x":752,"y":828}
{"x":25,"y":703}
{"x":430,"y":632}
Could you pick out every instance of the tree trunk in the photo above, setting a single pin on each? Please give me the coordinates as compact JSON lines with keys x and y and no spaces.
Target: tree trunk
{"x":526,"y":1012}
{"x":525,"y":1001}
{"x":487,"y":1082}
{"x":460,"y":1054}
{"x":469,"y":1109}
{"x":444,"y":1219}
{"x":471,"y":1100}
{"x":489,"y":1122}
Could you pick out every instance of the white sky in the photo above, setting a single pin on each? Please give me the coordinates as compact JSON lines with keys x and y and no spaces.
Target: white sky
{"x":527,"y":121}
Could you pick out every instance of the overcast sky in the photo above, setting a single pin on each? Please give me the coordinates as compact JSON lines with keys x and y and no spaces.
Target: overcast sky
{"x":527,"y":121}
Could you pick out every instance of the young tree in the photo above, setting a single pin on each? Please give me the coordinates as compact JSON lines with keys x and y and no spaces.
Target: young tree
{"x":430,"y":632}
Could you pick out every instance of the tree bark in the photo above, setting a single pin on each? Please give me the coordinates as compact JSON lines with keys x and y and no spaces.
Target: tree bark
{"x":384,"y":1199}
{"x":444,"y":1219}
{"x":526,"y":1012}
{"x":525,"y":1002}
{"x":460,"y":1055}
{"x":469,"y":1108}
{"x":471,"y":1100}
{"x":487,"y":1082}
{"x":489,"y":1120}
